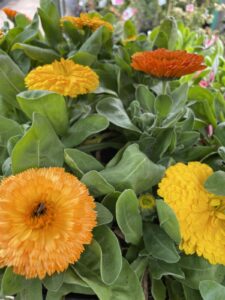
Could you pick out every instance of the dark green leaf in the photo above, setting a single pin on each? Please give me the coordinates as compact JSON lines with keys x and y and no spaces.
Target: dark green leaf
{"x":12,"y":283}
{"x":54,"y":282}
{"x":159,"y":268}
{"x":158,"y":244}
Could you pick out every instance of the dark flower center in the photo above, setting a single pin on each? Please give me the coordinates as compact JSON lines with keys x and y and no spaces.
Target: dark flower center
{"x":39,"y":210}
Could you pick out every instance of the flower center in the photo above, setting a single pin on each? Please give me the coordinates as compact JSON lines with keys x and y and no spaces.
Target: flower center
{"x":218,"y":204}
{"x":39,"y":210}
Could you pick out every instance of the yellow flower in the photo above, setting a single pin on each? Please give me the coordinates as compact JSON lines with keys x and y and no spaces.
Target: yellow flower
{"x":201,"y":215}
{"x":86,"y":20}
{"x":131,"y":38}
{"x":64,"y":77}
{"x":47,"y":216}
{"x":147,"y":201}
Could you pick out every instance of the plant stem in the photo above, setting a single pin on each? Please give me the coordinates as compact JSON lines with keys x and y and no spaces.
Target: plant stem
{"x":164,"y":87}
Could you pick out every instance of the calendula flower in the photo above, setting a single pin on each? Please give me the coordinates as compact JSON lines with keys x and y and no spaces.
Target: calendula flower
{"x":87,"y":20}
{"x":166,"y":64}
{"x":10,"y":13}
{"x":201,"y":215}
{"x":64,"y":77}
{"x":47,"y":216}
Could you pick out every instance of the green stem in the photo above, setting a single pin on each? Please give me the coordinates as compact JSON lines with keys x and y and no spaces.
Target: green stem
{"x":164,"y":87}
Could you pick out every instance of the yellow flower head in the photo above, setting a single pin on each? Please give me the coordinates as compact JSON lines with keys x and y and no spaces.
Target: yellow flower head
{"x":201,"y":215}
{"x":147,"y":201}
{"x":86,"y":20}
{"x":64,"y":77}
{"x":47,"y":216}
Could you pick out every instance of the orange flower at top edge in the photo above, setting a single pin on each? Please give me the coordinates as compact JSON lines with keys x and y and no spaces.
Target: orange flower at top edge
{"x":10,"y":13}
{"x":47,"y":217}
{"x":166,"y":64}
{"x":86,"y":20}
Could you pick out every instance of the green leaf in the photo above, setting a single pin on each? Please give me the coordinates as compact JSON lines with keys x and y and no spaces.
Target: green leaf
{"x":39,"y":147}
{"x":12,"y":79}
{"x":197,"y":269}
{"x":128,"y":217}
{"x":134,"y":170}
{"x":83,"y":58}
{"x":168,"y":220}
{"x":80,"y":162}
{"x":220,"y":133}
{"x":48,"y":104}
{"x":93,"y":44}
{"x":33,"y":290}
{"x":163,"y":105}
{"x":145,"y":98}
{"x":8,"y":129}
{"x":84,"y":128}
{"x":104,"y":216}
{"x":70,"y":277}
{"x":50,"y":20}
{"x":113,"y":110}
{"x":12,"y":283}
{"x":159,"y":268}
{"x":41,"y":55}
{"x":158,"y":290}
{"x":111,"y":258}
{"x":126,"y":287}
{"x":211,"y":290}
{"x":167,"y":35}
{"x":215,"y":183}
{"x":191,"y":294}
{"x":158,"y":244}
{"x":139,"y":266}
{"x":129,"y":29}
{"x":179,"y":97}
{"x":97,"y":184}
{"x":54,"y":282}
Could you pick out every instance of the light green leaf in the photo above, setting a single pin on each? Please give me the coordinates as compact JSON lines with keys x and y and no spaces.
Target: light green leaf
{"x":97,"y":184}
{"x":42,"y":55}
{"x":163,"y":105}
{"x":93,"y":44}
{"x":111,"y":257}
{"x":113,"y":110}
{"x":12,"y":79}
{"x":84,"y":128}
{"x":39,"y":147}
{"x":80,"y":162}
{"x":211,"y":290}
{"x":215,"y":183}
{"x":126,"y":287}
{"x":48,"y":104}
{"x":104,"y":216}
{"x":179,"y":96}
{"x":128,"y":217}
{"x":134,"y":171}
{"x":158,"y":244}
{"x":168,"y":220}
{"x":139,"y":266}
{"x":83,"y":58}
{"x":8,"y":129}
{"x":145,"y":98}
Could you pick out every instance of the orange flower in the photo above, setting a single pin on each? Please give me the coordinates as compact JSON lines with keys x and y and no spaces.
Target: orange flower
{"x":10,"y":13}
{"x":166,"y":64}
{"x":64,"y":77}
{"x":86,"y":20}
{"x":47,"y":216}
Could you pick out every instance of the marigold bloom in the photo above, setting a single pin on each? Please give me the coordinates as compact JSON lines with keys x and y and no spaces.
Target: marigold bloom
{"x":64,"y":77}
{"x":86,"y":20}
{"x":166,"y":64}
{"x":47,"y":216}
{"x":201,"y":215}
{"x":10,"y":13}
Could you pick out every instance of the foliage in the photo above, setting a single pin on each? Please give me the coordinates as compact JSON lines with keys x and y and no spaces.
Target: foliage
{"x":118,"y":141}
